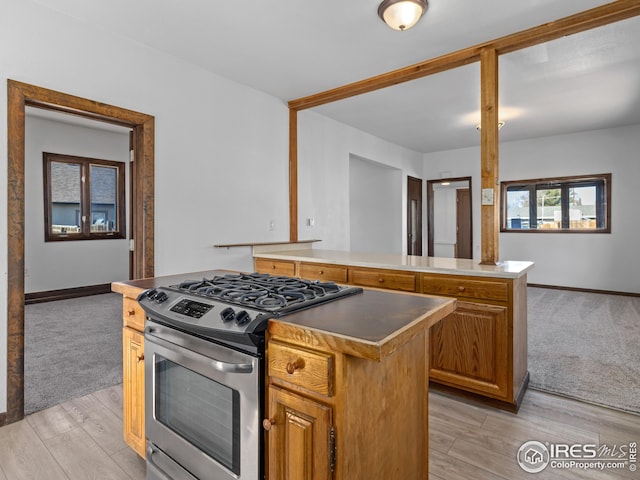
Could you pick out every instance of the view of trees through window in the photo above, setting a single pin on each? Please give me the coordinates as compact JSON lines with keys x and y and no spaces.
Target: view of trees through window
{"x":563,"y":204}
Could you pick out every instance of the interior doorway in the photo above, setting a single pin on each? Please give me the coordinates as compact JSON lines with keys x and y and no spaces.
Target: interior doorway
{"x":449,"y":218}
{"x":414,"y":216}
{"x":21,"y":95}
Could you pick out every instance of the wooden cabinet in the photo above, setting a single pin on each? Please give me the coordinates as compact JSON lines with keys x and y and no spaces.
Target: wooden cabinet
{"x":133,"y":374}
{"x":466,"y":287}
{"x":470,"y":349}
{"x":332,"y":415}
{"x":132,"y":314}
{"x":308,"y":369}
{"x":275,"y":267}
{"x":377,"y":278}
{"x":481,"y":348}
{"x":300,"y":445}
{"x":133,"y":389}
{"x":319,"y":271}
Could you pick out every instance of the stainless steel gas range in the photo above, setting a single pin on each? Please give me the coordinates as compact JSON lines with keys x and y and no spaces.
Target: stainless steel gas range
{"x":204,"y":370}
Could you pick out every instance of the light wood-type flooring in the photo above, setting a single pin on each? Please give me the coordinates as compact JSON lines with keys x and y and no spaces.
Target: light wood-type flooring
{"x":82,"y":439}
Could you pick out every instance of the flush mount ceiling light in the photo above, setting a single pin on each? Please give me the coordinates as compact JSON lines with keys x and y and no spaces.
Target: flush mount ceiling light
{"x":402,"y":14}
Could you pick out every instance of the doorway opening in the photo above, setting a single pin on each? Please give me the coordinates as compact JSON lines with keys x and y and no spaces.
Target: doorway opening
{"x":20,"y":96}
{"x":449,"y":218}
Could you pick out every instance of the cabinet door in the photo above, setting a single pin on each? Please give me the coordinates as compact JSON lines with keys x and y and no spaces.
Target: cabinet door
{"x":133,"y":389}
{"x":470,"y":350}
{"x":299,"y":437}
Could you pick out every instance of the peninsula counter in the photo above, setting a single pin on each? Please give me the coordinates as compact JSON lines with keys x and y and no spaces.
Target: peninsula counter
{"x":478,"y":351}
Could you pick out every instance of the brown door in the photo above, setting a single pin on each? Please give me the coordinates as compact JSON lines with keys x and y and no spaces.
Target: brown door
{"x":414,"y":216}
{"x":463,"y":224}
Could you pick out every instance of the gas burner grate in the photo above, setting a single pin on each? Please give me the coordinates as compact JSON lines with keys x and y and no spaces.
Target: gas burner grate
{"x":266,"y":292}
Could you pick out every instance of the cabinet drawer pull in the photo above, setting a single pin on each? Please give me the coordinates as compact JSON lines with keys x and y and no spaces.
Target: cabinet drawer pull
{"x":297,"y":365}
{"x":131,"y":313}
{"x":321,"y":272}
{"x":140,"y":358}
{"x":380,"y":280}
{"x":273,"y":267}
{"x":461,"y":288}
{"x":267,"y":423}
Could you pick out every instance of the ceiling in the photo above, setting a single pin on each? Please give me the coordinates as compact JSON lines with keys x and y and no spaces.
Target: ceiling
{"x":294,"y":48}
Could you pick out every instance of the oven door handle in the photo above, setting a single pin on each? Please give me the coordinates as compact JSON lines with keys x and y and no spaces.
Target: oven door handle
{"x":158,"y":471}
{"x":221,"y":366}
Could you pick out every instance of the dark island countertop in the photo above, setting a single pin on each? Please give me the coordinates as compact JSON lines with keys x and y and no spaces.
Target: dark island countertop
{"x":371,"y":325}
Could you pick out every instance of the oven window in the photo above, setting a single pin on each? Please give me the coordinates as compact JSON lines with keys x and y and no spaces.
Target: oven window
{"x":202,"y":411}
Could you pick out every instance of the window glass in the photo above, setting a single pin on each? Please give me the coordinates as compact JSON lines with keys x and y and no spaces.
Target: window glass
{"x":549,"y":203}
{"x":66,"y":192}
{"x":518,"y":209}
{"x":104,"y":194}
{"x":84,"y":198}
{"x":567,"y":204}
{"x":582,"y":202}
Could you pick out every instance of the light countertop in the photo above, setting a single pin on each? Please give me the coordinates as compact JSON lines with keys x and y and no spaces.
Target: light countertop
{"x":451,"y":266}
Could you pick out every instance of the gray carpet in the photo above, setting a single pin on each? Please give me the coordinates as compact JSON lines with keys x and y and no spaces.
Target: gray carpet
{"x":72,"y":348}
{"x":585,"y":346}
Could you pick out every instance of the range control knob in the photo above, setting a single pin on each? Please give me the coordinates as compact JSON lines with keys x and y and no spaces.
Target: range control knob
{"x":227,"y":314}
{"x":160,"y":297}
{"x":242,"y":317}
{"x":151,"y":293}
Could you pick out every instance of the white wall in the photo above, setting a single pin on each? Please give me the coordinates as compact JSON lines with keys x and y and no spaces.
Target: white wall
{"x":56,"y":265}
{"x":375,"y":207}
{"x":221,"y":149}
{"x":593,"y":261}
{"x":324,"y":149}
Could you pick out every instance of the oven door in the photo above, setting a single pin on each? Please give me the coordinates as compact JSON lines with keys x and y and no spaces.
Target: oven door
{"x":202,"y":406}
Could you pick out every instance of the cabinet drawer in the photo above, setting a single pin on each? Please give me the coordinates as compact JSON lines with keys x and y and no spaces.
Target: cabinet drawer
{"x":304,"y":368}
{"x":132,"y":314}
{"x":274,"y":267}
{"x":380,"y":279}
{"x":329,"y":273}
{"x":465,"y":287}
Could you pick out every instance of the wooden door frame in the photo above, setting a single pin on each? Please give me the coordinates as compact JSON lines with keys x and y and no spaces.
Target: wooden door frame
{"x":21,"y":95}
{"x":431,"y":212}
{"x":416,"y":181}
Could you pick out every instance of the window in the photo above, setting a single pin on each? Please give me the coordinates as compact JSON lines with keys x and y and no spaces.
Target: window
{"x":567,"y":204}
{"x":84,"y":198}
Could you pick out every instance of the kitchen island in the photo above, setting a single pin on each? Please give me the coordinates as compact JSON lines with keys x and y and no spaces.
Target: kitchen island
{"x":479,"y":351}
{"x":346,"y":387}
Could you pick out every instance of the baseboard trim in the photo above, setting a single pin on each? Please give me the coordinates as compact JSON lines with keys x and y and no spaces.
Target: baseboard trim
{"x":3,"y":419}
{"x":66,"y":293}
{"x":586,"y":290}
{"x":477,"y":397}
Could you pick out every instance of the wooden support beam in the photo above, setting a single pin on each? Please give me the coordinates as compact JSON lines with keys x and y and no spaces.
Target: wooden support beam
{"x":489,"y":211}
{"x":579,"y":22}
{"x":293,"y":175}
